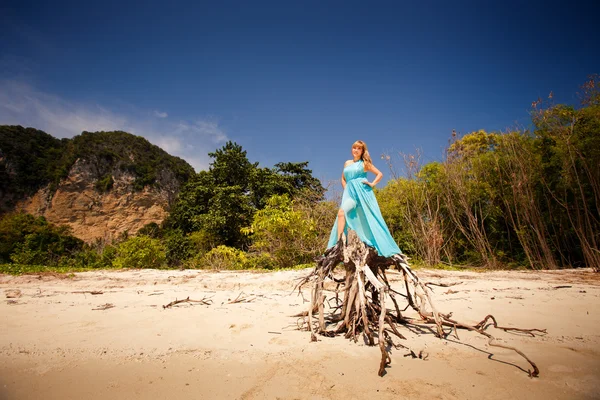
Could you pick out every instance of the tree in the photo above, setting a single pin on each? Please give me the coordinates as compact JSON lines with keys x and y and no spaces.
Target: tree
{"x":296,"y":177}
{"x":193,"y":201}
{"x":231,"y":167}
{"x":222,"y":200}
{"x":568,"y":140}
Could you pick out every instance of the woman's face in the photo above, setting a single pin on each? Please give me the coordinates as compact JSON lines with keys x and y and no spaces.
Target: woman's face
{"x":357,"y":151}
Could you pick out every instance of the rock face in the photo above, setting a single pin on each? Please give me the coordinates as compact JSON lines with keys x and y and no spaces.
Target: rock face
{"x":94,"y":215}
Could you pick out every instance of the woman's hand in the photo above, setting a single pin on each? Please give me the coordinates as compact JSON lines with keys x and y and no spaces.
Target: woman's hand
{"x":366,"y":182}
{"x":378,"y":175}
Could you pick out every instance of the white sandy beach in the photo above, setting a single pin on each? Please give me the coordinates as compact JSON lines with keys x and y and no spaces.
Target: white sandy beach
{"x":56,"y":341}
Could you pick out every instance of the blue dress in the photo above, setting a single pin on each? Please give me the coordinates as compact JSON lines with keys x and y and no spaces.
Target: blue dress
{"x":362,"y":213}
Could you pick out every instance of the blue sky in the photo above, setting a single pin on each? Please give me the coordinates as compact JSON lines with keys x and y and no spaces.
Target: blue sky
{"x":291,"y":81}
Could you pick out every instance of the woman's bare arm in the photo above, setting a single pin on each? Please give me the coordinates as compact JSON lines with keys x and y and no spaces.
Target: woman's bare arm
{"x":378,"y":175}
{"x":344,"y":179}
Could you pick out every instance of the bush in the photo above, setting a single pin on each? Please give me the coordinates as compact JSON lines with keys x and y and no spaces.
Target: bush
{"x":27,"y":256}
{"x":202,"y":242}
{"x":179,"y":247}
{"x":105,"y":183}
{"x":140,"y":252}
{"x":90,"y":257}
{"x":222,"y":257}
{"x":288,"y":230}
{"x":260,"y":261}
{"x":26,"y":239}
{"x":109,"y":253}
{"x":152,"y":229}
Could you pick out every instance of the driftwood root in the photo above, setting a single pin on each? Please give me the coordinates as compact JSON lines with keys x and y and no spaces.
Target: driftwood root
{"x":363,"y":310}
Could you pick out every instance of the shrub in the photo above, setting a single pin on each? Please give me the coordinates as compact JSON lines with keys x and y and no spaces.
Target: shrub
{"x":179,"y":247}
{"x":152,"y":229}
{"x":27,"y":256}
{"x":287,"y":230}
{"x":26,"y":239}
{"x":105,"y":183}
{"x":260,"y":261}
{"x":140,"y":252}
{"x":90,"y":257}
{"x":202,"y":242}
{"x":223,"y":257}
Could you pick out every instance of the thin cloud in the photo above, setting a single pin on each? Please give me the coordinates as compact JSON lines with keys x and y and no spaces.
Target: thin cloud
{"x":160,"y":114}
{"x":201,"y":129}
{"x":23,"y":104}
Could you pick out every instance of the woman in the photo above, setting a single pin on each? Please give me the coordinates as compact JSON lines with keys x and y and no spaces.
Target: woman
{"x":359,"y":210}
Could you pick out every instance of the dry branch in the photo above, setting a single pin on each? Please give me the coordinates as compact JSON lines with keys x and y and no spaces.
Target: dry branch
{"x":89,"y":291}
{"x":205,"y":301}
{"x":241,"y":299}
{"x":104,"y":307}
{"x":363,"y":310}
{"x":442,"y":284}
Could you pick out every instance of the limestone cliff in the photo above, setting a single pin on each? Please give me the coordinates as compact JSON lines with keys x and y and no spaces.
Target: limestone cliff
{"x":101,"y":184}
{"x":92,"y":214}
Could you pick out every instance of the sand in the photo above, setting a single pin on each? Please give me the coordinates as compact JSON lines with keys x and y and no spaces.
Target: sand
{"x":60,"y":341}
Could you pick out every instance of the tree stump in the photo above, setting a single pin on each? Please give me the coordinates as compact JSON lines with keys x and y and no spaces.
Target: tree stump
{"x":363,"y":310}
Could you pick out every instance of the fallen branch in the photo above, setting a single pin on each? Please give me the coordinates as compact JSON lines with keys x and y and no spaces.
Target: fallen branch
{"x":205,"y":301}
{"x":241,"y":299}
{"x":89,"y":291}
{"x":442,"y":284}
{"x":104,"y":307}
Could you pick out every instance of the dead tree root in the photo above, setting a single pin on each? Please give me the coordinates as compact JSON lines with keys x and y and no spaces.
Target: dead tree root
{"x":363,"y":310}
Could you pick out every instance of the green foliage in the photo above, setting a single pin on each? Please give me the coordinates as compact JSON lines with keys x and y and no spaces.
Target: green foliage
{"x":229,"y":211}
{"x":179,"y":247}
{"x":202,"y":242}
{"x":140,"y":252}
{"x":193,"y":201}
{"x":296,"y":177}
{"x":223,"y":200}
{"x":105,"y":183}
{"x":286,"y":178}
{"x":260,"y":261}
{"x":31,"y":159}
{"x":130,"y":153}
{"x":512,"y":200}
{"x":284,"y":233}
{"x":20,"y":269}
{"x":25,"y":239}
{"x":152,"y":230}
{"x":26,"y":255}
{"x":108,"y":255}
{"x":221,"y":258}
{"x":568,"y":141}
{"x":230,"y":166}
{"x":89,"y":258}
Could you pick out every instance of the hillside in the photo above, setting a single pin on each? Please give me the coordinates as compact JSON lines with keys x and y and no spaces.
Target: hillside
{"x":101,"y":184}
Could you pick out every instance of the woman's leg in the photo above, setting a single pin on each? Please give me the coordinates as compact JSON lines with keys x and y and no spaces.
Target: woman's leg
{"x":347,"y":206}
{"x":341,"y":223}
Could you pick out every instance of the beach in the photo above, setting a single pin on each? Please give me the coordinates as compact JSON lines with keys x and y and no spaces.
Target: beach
{"x":114,"y":335}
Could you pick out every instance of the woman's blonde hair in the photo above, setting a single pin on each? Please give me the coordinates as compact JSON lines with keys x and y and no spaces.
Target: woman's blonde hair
{"x":366,"y":157}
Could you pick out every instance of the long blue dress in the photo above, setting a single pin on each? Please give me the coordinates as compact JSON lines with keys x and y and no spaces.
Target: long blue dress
{"x":362,"y":213}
